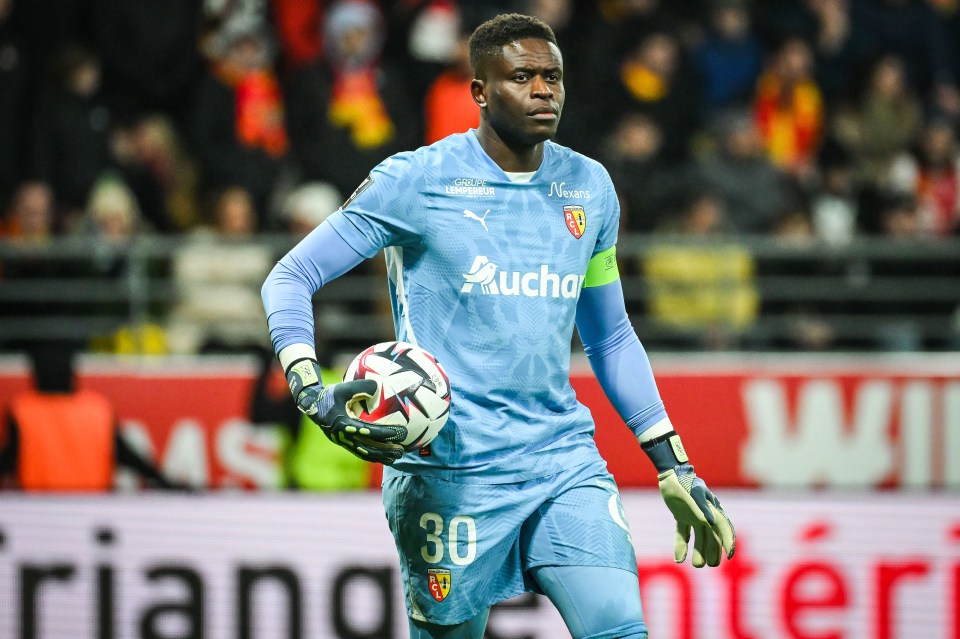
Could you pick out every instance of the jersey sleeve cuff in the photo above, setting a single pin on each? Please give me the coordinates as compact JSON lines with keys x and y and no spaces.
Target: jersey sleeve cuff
{"x":290,"y":354}
{"x":652,"y":430}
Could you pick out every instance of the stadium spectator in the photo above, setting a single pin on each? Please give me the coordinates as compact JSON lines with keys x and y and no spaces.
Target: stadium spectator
{"x":71,"y":133}
{"x":149,"y":155}
{"x":448,"y":107}
{"x":902,"y":220}
{"x":298,"y":28}
{"x":931,"y":175}
{"x":754,"y":190}
{"x":789,"y":108}
{"x":730,"y":58}
{"x":217,"y":273}
{"x":60,"y":438}
{"x":112,"y":214}
{"x":653,"y":81}
{"x":887,"y":120}
{"x":805,"y":324}
{"x":309,"y":205}
{"x":617,"y":26}
{"x":839,"y":41}
{"x":27,"y":230}
{"x":836,"y":200}
{"x":151,"y":61}
{"x":351,"y":109}
{"x":646,"y":184}
{"x":914,"y":32}
{"x":29,"y":219}
{"x":704,"y":293}
{"x":237,"y":128}
{"x":14,"y":87}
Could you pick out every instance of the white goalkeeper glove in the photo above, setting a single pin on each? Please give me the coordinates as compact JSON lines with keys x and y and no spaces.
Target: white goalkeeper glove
{"x":329,"y":408}
{"x":692,"y":504}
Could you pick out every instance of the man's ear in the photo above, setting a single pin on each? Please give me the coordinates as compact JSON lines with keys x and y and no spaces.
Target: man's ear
{"x":479,"y":91}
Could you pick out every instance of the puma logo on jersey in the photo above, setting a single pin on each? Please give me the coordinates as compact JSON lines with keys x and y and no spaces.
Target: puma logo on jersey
{"x":473,"y":216}
{"x":540,"y":283}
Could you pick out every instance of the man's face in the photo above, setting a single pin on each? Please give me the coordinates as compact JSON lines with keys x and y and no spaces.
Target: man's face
{"x":521,"y":92}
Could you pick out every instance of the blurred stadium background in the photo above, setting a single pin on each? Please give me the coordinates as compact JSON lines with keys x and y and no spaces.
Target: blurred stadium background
{"x":789,"y":176}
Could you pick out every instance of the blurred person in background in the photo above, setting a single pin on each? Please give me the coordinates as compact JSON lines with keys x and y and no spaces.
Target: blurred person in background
{"x":217,"y":273}
{"x":931,"y":175}
{"x":28,"y":221}
{"x":26,"y":229}
{"x":789,"y":108}
{"x":840,"y":45}
{"x":886,"y":121}
{"x":149,"y":155}
{"x":307,"y":206}
{"x":805,"y":324}
{"x":646,"y":184}
{"x":835,"y":201}
{"x":14,"y":114}
{"x":112,"y":217}
{"x":654,"y":81}
{"x":297,"y":24}
{"x":704,"y":292}
{"x":70,"y":147}
{"x":447,"y":106}
{"x":901,"y":219}
{"x":617,"y":25}
{"x":59,"y":438}
{"x":111,"y":223}
{"x":352,"y":108}
{"x":835,"y":30}
{"x":237,"y":128}
{"x":730,"y":58}
{"x":754,"y":190}
{"x":151,"y":62}
{"x":916,"y":33}
{"x":431,"y":30}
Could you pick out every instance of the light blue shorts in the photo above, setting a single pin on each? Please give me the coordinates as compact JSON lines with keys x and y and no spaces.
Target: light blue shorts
{"x":465,"y":547}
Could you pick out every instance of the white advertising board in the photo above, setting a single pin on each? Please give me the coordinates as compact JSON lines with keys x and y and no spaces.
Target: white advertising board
{"x":272,"y":566}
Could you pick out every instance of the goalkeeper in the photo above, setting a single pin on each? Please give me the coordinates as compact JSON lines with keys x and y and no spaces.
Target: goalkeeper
{"x":498,"y":242}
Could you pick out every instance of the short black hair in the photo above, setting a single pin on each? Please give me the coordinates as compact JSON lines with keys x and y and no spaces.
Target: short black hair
{"x":488,"y":39}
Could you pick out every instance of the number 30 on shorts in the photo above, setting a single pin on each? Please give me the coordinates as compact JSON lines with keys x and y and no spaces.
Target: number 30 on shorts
{"x":460,"y":554}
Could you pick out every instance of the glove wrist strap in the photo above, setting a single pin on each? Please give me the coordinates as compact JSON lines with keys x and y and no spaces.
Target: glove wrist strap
{"x":302,"y":373}
{"x":665,"y":451}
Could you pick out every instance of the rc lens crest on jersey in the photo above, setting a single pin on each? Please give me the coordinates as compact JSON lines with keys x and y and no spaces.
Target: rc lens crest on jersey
{"x":438,"y":583}
{"x":575,"y":218}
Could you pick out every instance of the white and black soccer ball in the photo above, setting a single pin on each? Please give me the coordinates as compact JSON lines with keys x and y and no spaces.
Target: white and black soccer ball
{"x":414,"y":390}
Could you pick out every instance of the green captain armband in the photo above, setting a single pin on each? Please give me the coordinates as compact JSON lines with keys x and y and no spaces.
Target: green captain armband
{"x":602,"y":268}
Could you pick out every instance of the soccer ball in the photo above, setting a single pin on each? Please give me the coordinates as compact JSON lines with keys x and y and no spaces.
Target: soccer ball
{"x":414,"y":390}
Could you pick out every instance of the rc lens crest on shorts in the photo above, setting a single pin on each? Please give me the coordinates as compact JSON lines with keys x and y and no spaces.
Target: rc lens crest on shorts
{"x":439,"y":583}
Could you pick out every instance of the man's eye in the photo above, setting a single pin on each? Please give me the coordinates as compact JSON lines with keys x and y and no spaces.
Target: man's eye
{"x":520,"y":77}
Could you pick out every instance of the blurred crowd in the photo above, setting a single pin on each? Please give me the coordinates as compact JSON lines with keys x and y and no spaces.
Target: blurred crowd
{"x":221,"y":119}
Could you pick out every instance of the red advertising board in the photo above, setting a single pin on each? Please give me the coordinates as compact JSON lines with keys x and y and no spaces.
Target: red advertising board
{"x":746,"y":420}
{"x":801,"y":421}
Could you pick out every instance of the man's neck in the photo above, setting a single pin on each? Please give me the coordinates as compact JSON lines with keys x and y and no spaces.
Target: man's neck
{"x":514,"y":158}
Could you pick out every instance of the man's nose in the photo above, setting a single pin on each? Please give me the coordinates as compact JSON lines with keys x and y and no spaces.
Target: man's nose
{"x":539,"y":88}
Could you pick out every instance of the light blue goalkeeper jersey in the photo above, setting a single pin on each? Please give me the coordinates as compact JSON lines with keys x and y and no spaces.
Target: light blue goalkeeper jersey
{"x":485,"y":273}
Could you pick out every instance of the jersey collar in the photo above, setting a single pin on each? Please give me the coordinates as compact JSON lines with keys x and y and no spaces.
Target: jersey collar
{"x":494,"y":168}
